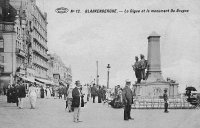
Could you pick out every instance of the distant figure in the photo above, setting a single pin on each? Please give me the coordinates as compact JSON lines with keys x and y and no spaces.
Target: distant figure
{"x":103,"y":94}
{"x":15,"y":96}
{"x":21,"y":93}
{"x":93,"y":92}
{"x":69,"y":99}
{"x":65,"y":91}
{"x":137,"y":70}
{"x":85,"y":92}
{"x":165,"y":96}
{"x":100,"y":94}
{"x":48,"y":93}
{"x":42,"y":92}
{"x":60,"y":93}
{"x":32,"y":92}
{"x":9,"y":94}
{"x":127,"y":97}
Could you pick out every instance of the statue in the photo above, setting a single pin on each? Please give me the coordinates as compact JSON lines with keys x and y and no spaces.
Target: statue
{"x":143,"y":66}
{"x":139,"y":68}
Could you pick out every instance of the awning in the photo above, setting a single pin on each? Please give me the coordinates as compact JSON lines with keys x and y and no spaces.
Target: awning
{"x":30,"y":79}
{"x":45,"y":81}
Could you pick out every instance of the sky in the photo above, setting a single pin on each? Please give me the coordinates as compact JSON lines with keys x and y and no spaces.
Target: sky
{"x":81,"y":39}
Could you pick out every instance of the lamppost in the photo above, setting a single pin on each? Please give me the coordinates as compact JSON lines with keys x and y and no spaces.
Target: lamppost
{"x":108,"y":67}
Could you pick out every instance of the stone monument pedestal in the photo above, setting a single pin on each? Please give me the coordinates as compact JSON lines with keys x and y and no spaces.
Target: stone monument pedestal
{"x":154,"y":85}
{"x":155,"y":89}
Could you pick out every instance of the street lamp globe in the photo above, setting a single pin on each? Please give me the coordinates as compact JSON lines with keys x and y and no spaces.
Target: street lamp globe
{"x":108,"y":66}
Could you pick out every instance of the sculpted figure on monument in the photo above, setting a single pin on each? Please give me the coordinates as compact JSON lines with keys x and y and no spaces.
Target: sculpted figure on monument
{"x":142,"y":66}
{"x":139,"y":68}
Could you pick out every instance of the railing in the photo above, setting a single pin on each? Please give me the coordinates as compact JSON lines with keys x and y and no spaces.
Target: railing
{"x":151,"y":103}
{"x":7,"y":26}
{"x":20,"y":52}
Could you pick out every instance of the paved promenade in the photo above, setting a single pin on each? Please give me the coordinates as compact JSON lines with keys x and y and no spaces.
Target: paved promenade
{"x":50,"y":113}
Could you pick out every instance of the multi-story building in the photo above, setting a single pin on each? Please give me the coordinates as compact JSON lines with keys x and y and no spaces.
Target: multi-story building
{"x":23,"y":45}
{"x":23,"y":40}
{"x":39,"y":45}
{"x":12,"y":43}
{"x":38,"y":32}
{"x":61,"y":73}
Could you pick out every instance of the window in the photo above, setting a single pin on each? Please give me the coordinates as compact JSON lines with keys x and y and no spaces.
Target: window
{"x":2,"y":59}
{"x":1,"y":45}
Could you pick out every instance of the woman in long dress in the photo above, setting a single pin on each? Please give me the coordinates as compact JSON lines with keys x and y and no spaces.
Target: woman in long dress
{"x":85,"y":93}
{"x":48,"y":93}
{"x":32,"y":95}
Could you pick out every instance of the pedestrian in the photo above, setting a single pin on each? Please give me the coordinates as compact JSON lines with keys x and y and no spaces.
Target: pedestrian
{"x":76,"y":101}
{"x":85,"y":93}
{"x":14,"y":95}
{"x":103,"y":94}
{"x":93,"y":92}
{"x":65,"y":91}
{"x":48,"y":93}
{"x":69,"y":99}
{"x":60,"y":92}
{"x":21,"y":93}
{"x":32,"y":95}
{"x":165,"y":96}
{"x":127,"y":96}
{"x":42,"y":92}
{"x":9,"y":94}
{"x":100,"y":94}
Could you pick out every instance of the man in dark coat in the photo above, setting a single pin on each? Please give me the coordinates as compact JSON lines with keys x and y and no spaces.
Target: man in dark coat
{"x":93,"y":92}
{"x":165,"y":96}
{"x":42,"y":92}
{"x":100,"y":94}
{"x":127,"y":96}
{"x":60,"y":92}
{"x":14,"y":94}
{"x":9,"y":94}
{"x":76,"y":101}
{"x":21,"y":93}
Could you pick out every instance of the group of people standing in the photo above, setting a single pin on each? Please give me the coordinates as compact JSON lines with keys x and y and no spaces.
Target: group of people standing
{"x":77,"y":98}
{"x":98,"y":91}
{"x":17,"y":92}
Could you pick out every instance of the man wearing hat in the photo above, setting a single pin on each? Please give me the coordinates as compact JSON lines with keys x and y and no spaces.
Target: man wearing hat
{"x":127,"y":96}
{"x":165,"y":96}
{"x":76,"y":101}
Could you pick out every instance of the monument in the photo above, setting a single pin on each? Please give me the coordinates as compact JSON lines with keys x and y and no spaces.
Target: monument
{"x":154,"y":84}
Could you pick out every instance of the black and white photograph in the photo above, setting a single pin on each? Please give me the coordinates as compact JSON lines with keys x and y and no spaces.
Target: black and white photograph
{"x":99,"y":63}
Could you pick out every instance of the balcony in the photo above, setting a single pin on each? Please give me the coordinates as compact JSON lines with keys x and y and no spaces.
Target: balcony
{"x":7,"y":27}
{"x":40,"y":64}
{"x":40,"y":42}
{"x":20,"y":52}
{"x":39,"y":52}
{"x":28,"y":38}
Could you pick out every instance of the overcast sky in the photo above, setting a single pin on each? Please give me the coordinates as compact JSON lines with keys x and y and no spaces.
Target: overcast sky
{"x":115,"y":39}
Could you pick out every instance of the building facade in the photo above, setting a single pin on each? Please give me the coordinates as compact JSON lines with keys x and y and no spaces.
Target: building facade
{"x":36,"y":23}
{"x":12,"y":43}
{"x":62,"y":75}
{"x":23,"y":46}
